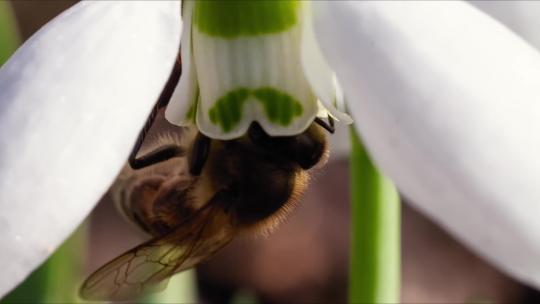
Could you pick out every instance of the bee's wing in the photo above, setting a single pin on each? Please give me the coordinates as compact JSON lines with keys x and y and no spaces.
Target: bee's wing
{"x":147,"y":267}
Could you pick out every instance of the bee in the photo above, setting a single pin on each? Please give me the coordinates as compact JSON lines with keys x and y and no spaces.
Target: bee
{"x":193,"y":195}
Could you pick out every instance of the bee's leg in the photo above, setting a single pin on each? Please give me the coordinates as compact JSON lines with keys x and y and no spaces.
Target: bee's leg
{"x":159,"y":155}
{"x":166,"y":152}
{"x":199,"y":154}
{"x":328,"y":126}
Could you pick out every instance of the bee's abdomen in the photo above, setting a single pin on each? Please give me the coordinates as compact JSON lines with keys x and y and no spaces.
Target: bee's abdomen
{"x":158,"y":205}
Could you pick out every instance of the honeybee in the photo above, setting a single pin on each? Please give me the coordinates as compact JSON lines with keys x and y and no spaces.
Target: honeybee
{"x":193,"y":195}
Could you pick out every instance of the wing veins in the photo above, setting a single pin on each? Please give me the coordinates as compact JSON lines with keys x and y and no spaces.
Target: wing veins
{"x":190,"y":247}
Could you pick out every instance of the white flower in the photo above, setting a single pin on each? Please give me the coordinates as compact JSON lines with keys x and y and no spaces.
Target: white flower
{"x":237,"y":70}
{"x":445,"y":98}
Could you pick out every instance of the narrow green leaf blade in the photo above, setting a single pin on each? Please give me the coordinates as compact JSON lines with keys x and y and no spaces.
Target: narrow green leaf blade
{"x":58,"y":279}
{"x":181,"y":289}
{"x":9,"y":34}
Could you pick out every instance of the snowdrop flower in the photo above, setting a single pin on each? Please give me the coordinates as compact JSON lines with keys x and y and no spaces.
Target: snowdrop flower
{"x":444,"y":97}
{"x":237,"y":69}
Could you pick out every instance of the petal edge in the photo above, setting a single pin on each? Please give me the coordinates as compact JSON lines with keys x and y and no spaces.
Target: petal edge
{"x":457,"y":135}
{"x":72,"y":101}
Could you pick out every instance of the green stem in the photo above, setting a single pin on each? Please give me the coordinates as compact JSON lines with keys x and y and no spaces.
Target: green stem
{"x":375,"y":243}
{"x":9,"y":34}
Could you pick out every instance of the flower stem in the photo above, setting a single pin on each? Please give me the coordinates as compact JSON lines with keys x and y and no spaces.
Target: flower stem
{"x":9,"y":34}
{"x":375,"y":242}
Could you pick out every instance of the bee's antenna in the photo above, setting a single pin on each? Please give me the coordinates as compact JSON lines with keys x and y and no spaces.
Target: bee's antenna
{"x":166,"y":152}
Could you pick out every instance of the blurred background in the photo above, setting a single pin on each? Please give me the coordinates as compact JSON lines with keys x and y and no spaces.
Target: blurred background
{"x":306,"y":259}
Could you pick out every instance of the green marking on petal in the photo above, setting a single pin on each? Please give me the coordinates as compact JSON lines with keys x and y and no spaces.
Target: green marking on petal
{"x":227,"y":111}
{"x":192,"y":111}
{"x":280,"y":107}
{"x":190,"y":116}
{"x":235,"y":18}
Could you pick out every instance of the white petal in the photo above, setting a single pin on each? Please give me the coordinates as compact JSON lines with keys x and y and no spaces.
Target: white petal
{"x":317,"y":72}
{"x":72,"y":101}
{"x":523,"y":17}
{"x":186,"y":93}
{"x":447,"y":100}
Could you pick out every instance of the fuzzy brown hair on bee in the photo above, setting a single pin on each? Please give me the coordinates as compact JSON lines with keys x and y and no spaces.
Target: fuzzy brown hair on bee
{"x":195,"y":203}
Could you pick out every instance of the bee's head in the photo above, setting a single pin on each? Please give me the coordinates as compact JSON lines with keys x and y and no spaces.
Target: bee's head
{"x":306,"y":149}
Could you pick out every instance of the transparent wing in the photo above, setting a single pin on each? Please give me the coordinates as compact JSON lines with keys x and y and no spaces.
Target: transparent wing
{"x":147,"y":267}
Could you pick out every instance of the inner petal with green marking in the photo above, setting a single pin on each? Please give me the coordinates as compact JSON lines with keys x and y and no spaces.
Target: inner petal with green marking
{"x":279,"y":107}
{"x":247,"y":62}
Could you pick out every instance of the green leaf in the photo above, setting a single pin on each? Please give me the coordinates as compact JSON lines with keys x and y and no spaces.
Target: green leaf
{"x":9,"y":35}
{"x":58,"y":279}
{"x":375,"y":244}
{"x":181,"y":289}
